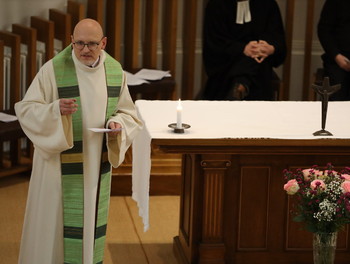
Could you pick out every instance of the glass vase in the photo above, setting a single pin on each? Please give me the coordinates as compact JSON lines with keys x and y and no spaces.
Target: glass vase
{"x":324,"y":245}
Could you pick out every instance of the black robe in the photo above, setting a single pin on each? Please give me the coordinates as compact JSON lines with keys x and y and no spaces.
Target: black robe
{"x":223,"y":44}
{"x":334,"y":35}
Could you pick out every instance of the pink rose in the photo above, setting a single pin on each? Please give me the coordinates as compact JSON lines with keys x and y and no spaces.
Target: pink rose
{"x":346,"y":186}
{"x":346,"y":177}
{"x":291,"y":187}
{"x":318,"y":173}
{"x":310,"y":174}
{"x":329,"y":172}
{"x":307,"y":174}
{"x":318,"y":184}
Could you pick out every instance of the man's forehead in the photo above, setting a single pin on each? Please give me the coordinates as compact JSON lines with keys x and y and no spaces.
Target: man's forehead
{"x":87,"y":37}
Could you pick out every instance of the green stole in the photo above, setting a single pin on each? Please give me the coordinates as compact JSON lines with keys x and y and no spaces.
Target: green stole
{"x":72,"y":161}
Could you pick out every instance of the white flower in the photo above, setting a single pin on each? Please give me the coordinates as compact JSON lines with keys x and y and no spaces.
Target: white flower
{"x":326,"y":212}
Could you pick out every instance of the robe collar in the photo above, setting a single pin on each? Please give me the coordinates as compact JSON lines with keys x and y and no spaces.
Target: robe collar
{"x":243,"y":12}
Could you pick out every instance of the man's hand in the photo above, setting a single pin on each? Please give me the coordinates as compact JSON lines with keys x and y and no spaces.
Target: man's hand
{"x":114,"y":125}
{"x":265,"y":50}
{"x":343,"y":62}
{"x":252,"y":49}
{"x":258,"y":50}
{"x":68,"y":106}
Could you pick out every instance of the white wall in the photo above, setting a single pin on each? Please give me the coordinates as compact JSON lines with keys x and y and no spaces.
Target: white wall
{"x":20,"y":11}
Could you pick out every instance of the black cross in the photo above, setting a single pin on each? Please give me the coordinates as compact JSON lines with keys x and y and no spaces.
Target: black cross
{"x":325,"y":91}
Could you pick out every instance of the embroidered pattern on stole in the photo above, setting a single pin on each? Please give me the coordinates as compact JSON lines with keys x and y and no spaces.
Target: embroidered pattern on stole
{"x":72,"y":161}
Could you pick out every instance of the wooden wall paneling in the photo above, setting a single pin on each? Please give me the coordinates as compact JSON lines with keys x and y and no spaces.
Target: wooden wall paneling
{"x":189,"y":42}
{"x":169,"y":37}
{"x":95,"y":10}
{"x":14,"y":41}
{"x":1,"y":79}
{"x":307,"y":90}
{"x":253,"y":208}
{"x":289,"y":19}
{"x":114,"y":15}
{"x":151,"y":34}
{"x":77,"y":12}
{"x":132,"y":34}
{"x":29,"y":38}
{"x":63,"y":25}
{"x":45,"y":33}
{"x":212,"y":247}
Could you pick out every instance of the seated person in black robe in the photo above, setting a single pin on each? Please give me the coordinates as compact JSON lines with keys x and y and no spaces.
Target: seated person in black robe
{"x":334,"y":35}
{"x":242,"y":42}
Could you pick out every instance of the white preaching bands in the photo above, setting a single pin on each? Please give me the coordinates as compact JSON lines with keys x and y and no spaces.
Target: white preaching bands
{"x":243,"y":12}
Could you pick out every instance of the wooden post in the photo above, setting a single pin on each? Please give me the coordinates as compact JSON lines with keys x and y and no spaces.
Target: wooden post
{"x":77,"y":12}
{"x":307,"y":90}
{"x":62,"y":22}
{"x":189,"y":48}
{"x":169,"y":35}
{"x":95,"y":10}
{"x":28,"y":37}
{"x":13,"y":41}
{"x":46,"y":33}
{"x":284,"y":93}
{"x":151,"y":34}
{"x":132,"y":34}
{"x":1,"y":80}
{"x":114,"y":28}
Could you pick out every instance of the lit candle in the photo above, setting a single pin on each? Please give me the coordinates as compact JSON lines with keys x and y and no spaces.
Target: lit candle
{"x":179,"y":113}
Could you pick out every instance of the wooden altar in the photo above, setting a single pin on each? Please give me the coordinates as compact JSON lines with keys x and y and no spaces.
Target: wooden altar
{"x":233,"y":207}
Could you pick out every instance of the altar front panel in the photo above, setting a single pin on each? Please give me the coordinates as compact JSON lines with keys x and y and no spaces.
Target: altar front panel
{"x":234,"y":209}
{"x":233,"y":206}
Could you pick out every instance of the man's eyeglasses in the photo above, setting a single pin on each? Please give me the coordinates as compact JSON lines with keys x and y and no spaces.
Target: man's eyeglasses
{"x":91,"y":45}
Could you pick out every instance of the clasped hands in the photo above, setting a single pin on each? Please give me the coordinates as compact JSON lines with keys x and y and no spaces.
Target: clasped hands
{"x":258,"y":50}
{"x":69,"y":106}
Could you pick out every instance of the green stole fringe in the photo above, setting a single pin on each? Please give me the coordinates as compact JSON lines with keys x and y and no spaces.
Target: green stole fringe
{"x":72,"y":161}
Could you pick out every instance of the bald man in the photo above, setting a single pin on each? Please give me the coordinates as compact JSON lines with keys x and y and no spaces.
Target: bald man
{"x":81,"y":88}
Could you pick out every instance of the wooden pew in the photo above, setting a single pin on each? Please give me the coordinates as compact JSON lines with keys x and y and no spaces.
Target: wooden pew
{"x":63,"y":26}
{"x":2,"y":50}
{"x":28,"y":37}
{"x":45,"y":33}
{"x":12,"y":162}
{"x":13,"y":41}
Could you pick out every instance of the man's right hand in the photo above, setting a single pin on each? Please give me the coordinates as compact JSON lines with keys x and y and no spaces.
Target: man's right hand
{"x":343,"y":62}
{"x":68,"y":106}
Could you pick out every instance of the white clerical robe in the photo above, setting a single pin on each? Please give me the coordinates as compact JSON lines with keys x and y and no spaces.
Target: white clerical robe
{"x":51,"y":133}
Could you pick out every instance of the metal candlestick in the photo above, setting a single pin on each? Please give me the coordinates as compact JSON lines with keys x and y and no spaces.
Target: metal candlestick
{"x":179,"y":130}
{"x":325,"y":91}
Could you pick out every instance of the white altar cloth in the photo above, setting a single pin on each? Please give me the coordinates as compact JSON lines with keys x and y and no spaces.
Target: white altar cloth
{"x":228,"y":119}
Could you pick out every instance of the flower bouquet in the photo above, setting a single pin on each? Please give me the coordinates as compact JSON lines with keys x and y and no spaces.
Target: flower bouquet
{"x":322,"y":204}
